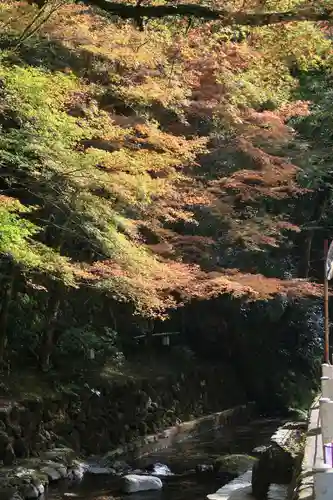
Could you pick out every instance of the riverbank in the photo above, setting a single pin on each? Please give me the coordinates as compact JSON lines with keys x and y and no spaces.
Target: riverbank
{"x":182,"y":458}
{"x":94,"y":412}
{"x":50,"y":423}
{"x":30,"y":477}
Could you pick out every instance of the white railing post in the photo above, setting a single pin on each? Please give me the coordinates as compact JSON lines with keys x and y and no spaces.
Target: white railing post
{"x":327,"y":387}
{"x":323,"y":482}
{"x":324,"y":387}
{"x":326,"y":419}
{"x":327,"y":370}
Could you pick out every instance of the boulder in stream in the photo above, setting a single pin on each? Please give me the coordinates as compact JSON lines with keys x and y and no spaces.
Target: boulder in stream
{"x":7,"y":495}
{"x":258,"y":450}
{"x":16,"y":496}
{"x":133,"y":483}
{"x":28,"y":478}
{"x":204,"y":469}
{"x":159,"y":469}
{"x":53,"y":470}
{"x":120,"y":467}
{"x":25,"y":483}
{"x":30,"y":491}
{"x":76,"y":471}
{"x":98,"y":470}
{"x":111,"y":466}
{"x":61,"y":455}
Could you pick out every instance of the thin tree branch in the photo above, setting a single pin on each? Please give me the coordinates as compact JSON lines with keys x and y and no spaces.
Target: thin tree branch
{"x":127,"y":11}
{"x":33,"y":27}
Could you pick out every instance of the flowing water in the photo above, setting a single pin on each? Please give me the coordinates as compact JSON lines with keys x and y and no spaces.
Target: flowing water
{"x":181,"y":458}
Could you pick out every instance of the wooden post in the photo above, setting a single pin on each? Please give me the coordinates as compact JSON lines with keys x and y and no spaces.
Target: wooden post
{"x":326,"y":318}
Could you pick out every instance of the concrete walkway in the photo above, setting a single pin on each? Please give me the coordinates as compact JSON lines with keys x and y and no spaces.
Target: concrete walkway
{"x":241,"y":489}
{"x":238,"y":489}
{"x":313,"y":454}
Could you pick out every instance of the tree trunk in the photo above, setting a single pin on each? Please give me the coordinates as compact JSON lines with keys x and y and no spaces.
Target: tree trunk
{"x":49,"y":329}
{"x":226,"y":17}
{"x":6,"y":301}
{"x":320,"y":205}
{"x":50,"y":338}
{"x":305,"y":262}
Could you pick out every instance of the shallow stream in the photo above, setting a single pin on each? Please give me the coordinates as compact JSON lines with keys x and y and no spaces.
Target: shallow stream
{"x":181,"y":458}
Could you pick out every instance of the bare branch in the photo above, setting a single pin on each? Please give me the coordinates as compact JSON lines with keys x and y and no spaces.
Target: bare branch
{"x":127,"y":11}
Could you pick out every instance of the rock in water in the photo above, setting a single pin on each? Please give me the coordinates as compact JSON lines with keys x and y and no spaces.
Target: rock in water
{"x":76,"y":471}
{"x":16,"y":496}
{"x":133,"y":483}
{"x":54,"y":470}
{"x":204,"y":469}
{"x":120,"y":467}
{"x":258,"y":450}
{"x":115,"y":467}
{"x":97,"y":470}
{"x":159,"y":470}
{"x":30,"y":491}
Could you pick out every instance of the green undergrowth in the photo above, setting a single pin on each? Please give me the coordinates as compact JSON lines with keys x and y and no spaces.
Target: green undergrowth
{"x":28,"y":383}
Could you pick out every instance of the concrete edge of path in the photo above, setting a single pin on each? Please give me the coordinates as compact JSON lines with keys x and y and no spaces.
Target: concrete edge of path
{"x":238,"y":489}
{"x":180,"y":432}
{"x":313,"y":454}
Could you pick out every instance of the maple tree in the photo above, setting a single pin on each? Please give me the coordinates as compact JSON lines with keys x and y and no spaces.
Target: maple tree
{"x":156,"y":167}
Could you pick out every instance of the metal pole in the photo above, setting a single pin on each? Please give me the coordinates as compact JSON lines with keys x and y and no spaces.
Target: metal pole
{"x":327,"y":328}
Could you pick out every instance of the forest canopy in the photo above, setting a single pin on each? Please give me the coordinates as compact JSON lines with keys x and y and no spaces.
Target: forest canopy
{"x":154,"y":154}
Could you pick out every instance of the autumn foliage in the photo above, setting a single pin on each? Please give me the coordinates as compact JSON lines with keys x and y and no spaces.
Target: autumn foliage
{"x":153,"y":163}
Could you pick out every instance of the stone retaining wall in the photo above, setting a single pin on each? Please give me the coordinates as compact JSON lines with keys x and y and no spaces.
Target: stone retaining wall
{"x":122,"y":414}
{"x":125,"y":415}
{"x":149,"y":444}
{"x":313,"y":455}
